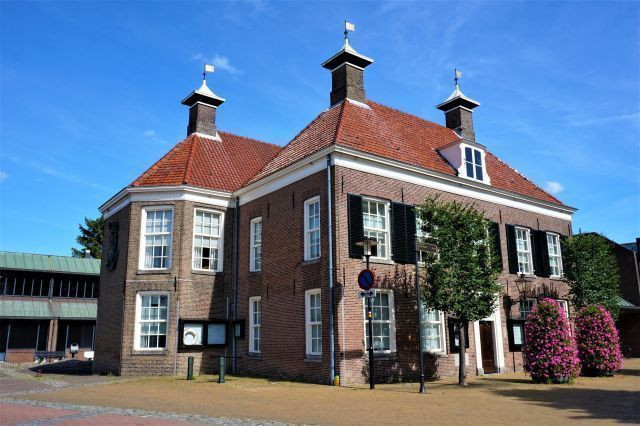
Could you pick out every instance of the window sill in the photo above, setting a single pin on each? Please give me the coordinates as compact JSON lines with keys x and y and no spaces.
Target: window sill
{"x":253,"y":273}
{"x":379,"y":261}
{"x":311,"y":262}
{"x":254,"y":355}
{"x":383,"y":356}
{"x":153,"y":271}
{"x":313,"y":358}
{"x":205,"y":272}
{"x":439,"y":354}
{"x":162,"y":352}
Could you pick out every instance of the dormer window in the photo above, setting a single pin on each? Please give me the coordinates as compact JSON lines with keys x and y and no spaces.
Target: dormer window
{"x":473,"y":163}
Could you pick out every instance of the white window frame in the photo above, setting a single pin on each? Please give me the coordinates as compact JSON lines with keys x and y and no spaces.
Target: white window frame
{"x":391,"y":321}
{"x":443,"y":333}
{"x":565,"y":306}
{"x":253,"y":325}
{"x":528,"y":252}
{"x":220,"y":240}
{"x":138,"y":320}
{"x":311,"y":324}
{"x":308,"y":231}
{"x":533,"y":304}
{"x":252,"y":245}
{"x":143,"y":238}
{"x":462,"y":171}
{"x":555,"y":236}
{"x":387,"y":231}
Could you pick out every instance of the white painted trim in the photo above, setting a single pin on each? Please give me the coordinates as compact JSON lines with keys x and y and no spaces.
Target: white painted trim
{"x":498,"y":348}
{"x":307,"y":321}
{"x":443,"y":334}
{"x":559,"y":255}
{"x":202,"y":103}
{"x":476,"y":337}
{"x":307,"y":242}
{"x":357,"y":160}
{"x":252,"y":242}
{"x":358,"y":104}
{"x":392,"y":321}
{"x":220,"y":239}
{"x":387,"y":219}
{"x":216,"y":138}
{"x":143,"y":226}
{"x":251,"y":324}
{"x":161,"y":194}
{"x":136,"y":326}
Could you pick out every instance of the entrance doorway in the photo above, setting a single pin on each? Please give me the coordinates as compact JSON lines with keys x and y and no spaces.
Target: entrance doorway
{"x":487,"y":347}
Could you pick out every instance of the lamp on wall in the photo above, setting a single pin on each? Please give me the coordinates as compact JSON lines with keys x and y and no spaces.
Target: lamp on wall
{"x":369,"y":247}
{"x":523,"y":285}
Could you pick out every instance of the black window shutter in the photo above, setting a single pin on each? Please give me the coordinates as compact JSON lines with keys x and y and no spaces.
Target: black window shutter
{"x":403,"y":219}
{"x":454,"y":332}
{"x":543,"y":254}
{"x":537,"y":254}
{"x":512,"y":253}
{"x":563,"y":245}
{"x":356,"y":230}
{"x":494,"y":234}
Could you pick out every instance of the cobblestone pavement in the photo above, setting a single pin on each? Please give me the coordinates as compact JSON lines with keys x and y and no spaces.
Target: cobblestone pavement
{"x":27,"y":412}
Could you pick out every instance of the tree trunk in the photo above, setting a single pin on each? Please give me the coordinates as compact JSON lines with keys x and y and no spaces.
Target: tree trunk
{"x":462,"y":376}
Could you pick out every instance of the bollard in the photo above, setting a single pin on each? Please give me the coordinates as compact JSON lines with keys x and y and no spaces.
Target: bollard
{"x":190,"y":368}
{"x":221,"y":367}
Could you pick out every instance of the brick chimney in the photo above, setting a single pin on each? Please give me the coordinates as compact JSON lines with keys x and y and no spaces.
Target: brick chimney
{"x":202,"y":104}
{"x":458,"y":113}
{"x":347,"y":74}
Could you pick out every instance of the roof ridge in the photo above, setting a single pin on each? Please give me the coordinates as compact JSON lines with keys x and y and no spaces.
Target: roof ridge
{"x":524,"y":177}
{"x":339,"y":124}
{"x":249,"y":138}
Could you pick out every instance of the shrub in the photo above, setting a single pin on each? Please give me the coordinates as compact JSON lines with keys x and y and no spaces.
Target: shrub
{"x":550,"y":353}
{"x":598,"y":341}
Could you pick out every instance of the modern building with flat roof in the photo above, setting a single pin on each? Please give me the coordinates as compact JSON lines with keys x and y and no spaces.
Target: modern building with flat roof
{"x":47,"y":303}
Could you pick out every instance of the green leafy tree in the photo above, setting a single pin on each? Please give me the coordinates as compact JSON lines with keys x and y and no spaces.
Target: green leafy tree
{"x":90,"y":238}
{"x":462,"y":277}
{"x":591,"y":271}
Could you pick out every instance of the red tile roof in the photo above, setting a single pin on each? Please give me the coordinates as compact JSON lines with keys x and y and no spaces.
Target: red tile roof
{"x":235,"y":161}
{"x":224,"y":165}
{"x":392,"y":134}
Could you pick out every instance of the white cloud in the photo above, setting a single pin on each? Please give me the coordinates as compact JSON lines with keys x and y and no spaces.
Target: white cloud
{"x":3,"y":176}
{"x":221,"y":63}
{"x":633,"y":118}
{"x":553,"y":187}
{"x":148,"y":133}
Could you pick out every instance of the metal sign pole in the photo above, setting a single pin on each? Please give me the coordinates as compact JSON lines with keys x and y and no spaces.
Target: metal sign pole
{"x":372,"y":370}
{"x":423,"y":389}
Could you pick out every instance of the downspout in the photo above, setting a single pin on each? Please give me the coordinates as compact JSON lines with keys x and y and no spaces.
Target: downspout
{"x":234,"y":282}
{"x":330,"y":258}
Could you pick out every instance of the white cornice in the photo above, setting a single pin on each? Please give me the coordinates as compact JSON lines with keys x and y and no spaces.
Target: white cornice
{"x":165,"y":193}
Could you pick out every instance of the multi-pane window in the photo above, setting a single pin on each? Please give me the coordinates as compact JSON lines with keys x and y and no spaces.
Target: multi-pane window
{"x":156,"y":238}
{"x":375,"y":224}
{"x":152,"y":320}
{"x":473,"y":163}
{"x":523,"y":247}
{"x":255,"y":323}
{"x":432,"y":331}
{"x":314,"y":322}
{"x":526,"y":306}
{"x":255,"y":256}
{"x":565,"y":307}
{"x":312,"y":229}
{"x":383,"y":322}
{"x":555,"y":258}
{"x":207,"y":241}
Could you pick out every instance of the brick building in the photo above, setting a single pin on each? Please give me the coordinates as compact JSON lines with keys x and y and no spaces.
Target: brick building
{"x":236,"y":247}
{"x":47,"y":303}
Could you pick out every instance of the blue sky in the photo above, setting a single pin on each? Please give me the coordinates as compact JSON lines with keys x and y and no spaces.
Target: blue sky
{"x":90,"y":92}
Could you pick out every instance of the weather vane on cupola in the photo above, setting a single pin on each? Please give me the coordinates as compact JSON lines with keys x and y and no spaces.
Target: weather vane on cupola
{"x":457,"y":75}
{"x":207,"y":68}
{"x":348,"y":26}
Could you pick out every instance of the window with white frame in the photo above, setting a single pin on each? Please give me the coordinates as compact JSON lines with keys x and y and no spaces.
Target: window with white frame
{"x":433,"y":331}
{"x":383,"y":321}
{"x":473,"y":163}
{"x":565,"y":307}
{"x":313,"y":322}
{"x":523,"y":247}
{"x":255,"y":256}
{"x":207,"y":240}
{"x":555,"y":258}
{"x":255,"y":324}
{"x":375,"y":222}
{"x":156,"y":238}
{"x":526,"y":306}
{"x":152,"y":311}
{"x":312,"y":228}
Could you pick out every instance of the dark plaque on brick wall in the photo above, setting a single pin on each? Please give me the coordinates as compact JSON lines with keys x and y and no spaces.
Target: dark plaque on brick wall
{"x":112,"y":251}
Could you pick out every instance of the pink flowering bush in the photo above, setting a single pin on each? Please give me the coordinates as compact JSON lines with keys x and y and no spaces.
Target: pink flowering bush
{"x":550,"y":353}
{"x":598,"y":341}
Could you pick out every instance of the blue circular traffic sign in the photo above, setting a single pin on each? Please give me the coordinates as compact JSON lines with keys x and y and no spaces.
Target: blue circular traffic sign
{"x":366,"y":279}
